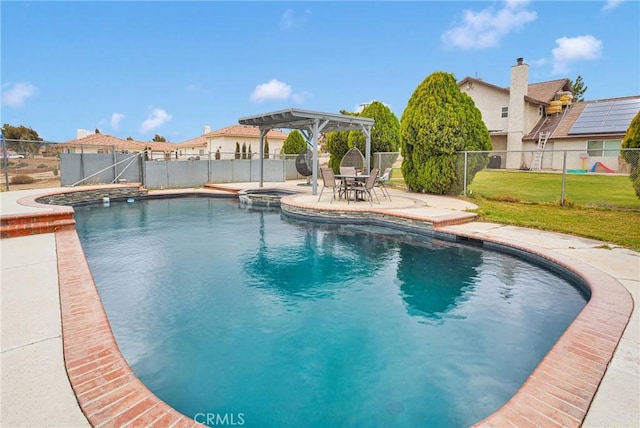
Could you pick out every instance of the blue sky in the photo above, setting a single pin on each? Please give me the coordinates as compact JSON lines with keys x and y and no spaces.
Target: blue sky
{"x":141,"y":68}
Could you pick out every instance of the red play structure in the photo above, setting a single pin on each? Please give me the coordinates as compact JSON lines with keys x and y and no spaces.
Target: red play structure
{"x":600,"y":167}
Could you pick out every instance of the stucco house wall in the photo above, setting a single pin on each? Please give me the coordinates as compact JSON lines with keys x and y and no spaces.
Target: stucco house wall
{"x":489,"y":100}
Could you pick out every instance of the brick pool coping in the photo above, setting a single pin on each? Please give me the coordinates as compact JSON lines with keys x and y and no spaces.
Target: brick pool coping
{"x":557,"y":393}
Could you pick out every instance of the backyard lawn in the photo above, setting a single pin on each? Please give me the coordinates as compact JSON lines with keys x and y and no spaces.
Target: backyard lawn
{"x":597,"y":206}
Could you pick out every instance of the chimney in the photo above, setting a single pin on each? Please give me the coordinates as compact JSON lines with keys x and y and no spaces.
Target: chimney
{"x":516,"y":122}
{"x":519,"y":80}
{"x":207,"y":129}
{"x":81,"y":133}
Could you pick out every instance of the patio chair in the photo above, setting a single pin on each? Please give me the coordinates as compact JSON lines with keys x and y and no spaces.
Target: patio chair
{"x":348,"y":183}
{"x":328,"y":180}
{"x":382,"y":180}
{"x":366,"y":187}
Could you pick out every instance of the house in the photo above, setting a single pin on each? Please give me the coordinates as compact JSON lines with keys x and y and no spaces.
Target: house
{"x":99,"y":143}
{"x":590,"y":131}
{"x":224,"y":141}
{"x":532,"y":124}
{"x":104,"y":143}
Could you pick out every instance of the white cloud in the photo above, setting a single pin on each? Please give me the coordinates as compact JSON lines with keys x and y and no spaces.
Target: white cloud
{"x":572,"y":49}
{"x":275,"y":90}
{"x":272,"y":90}
{"x":612,"y":4}
{"x":290,"y":20}
{"x":300,"y":98}
{"x":540,"y":62}
{"x":154,"y":120}
{"x":115,"y":120}
{"x":484,"y":29}
{"x":193,"y":87}
{"x":15,"y":94}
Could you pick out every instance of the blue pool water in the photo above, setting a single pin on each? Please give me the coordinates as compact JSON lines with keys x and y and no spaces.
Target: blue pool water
{"x":242,"y":316}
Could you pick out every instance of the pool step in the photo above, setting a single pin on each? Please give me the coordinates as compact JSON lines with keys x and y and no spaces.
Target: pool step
{"x":16,"y":225}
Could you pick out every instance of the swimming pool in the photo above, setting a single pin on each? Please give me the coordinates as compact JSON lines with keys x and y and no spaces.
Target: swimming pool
{"x":226,"y":311}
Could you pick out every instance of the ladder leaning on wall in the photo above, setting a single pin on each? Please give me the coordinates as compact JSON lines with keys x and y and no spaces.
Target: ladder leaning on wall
{"x":536,"y":164}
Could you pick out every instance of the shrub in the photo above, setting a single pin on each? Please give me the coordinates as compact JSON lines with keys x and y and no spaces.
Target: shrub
{"x":41,"y":166}
{"x":385,"y":133}
{"x":22,"y":179}
{"x":439,"y":122}
{"x":294,"y":143}
{"x":55,"y":171}
{"x":337,"y":146}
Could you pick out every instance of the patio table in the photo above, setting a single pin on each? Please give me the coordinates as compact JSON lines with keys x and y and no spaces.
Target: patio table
{"x":344,"y":186}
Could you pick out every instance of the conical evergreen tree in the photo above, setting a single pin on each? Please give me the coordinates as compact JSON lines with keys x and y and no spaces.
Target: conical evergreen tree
{"x":439,"y":122}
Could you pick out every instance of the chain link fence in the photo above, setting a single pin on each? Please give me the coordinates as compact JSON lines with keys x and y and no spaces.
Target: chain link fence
{"x":26,"y":161}
{"x":558,"y":171}
{"x":592,"y":178}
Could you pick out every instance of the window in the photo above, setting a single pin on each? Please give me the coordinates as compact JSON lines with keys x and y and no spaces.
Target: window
{"x":201,"y":151}
{"x":540,"y":111}
{"x":504,"y":112}
{"x":100,"y":151}
{"x":608,"y":148}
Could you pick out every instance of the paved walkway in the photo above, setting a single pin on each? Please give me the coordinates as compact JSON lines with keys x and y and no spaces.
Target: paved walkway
{"x":35,"y":386}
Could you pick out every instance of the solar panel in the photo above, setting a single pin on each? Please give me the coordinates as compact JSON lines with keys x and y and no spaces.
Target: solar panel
{"x":608,"y":117}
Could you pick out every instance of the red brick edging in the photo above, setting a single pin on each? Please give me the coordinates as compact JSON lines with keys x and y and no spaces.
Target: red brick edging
{"x":108,"y":391}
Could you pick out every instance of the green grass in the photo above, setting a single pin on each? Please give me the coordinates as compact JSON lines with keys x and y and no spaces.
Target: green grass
{"x":616,"y":226}
{"x":597,"y":206}
{"x":587,"y":190}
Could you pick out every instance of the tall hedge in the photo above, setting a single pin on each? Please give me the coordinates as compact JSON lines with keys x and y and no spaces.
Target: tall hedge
{"x":294,"y":143}
{"x":439,"y":121}
{"x":385,"y":133}
{"x":337,"y":146}
{"x":631,"y":140}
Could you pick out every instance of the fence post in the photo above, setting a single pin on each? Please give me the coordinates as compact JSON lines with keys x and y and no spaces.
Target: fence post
{"x":5,"y":161}
{"x":564,"y":175}
{"x":81,"y":163}
{"x":141,"y":175}
{"x":115,"y":166}
{"x":465,"y":173}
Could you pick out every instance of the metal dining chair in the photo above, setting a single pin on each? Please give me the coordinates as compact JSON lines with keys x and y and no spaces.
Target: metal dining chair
{"x":367,"y":187}
{"x":328,"y":180}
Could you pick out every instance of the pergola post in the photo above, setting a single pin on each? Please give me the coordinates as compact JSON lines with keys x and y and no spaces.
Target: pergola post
{"x":366,"y":130}
{"x":263,"y":132}
{"x":314,"y":143}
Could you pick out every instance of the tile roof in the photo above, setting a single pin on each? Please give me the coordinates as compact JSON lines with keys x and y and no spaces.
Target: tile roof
{"x":161,"y":146}
{"x":245,"y":131}
{"x":199,"y":141}
{"x":104,"y":140}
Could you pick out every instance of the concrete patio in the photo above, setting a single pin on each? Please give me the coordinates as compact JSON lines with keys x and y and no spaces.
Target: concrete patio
{"x":36,"y":387}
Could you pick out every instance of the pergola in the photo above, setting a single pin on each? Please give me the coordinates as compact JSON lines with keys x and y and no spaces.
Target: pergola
{"x":310,"y":124}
